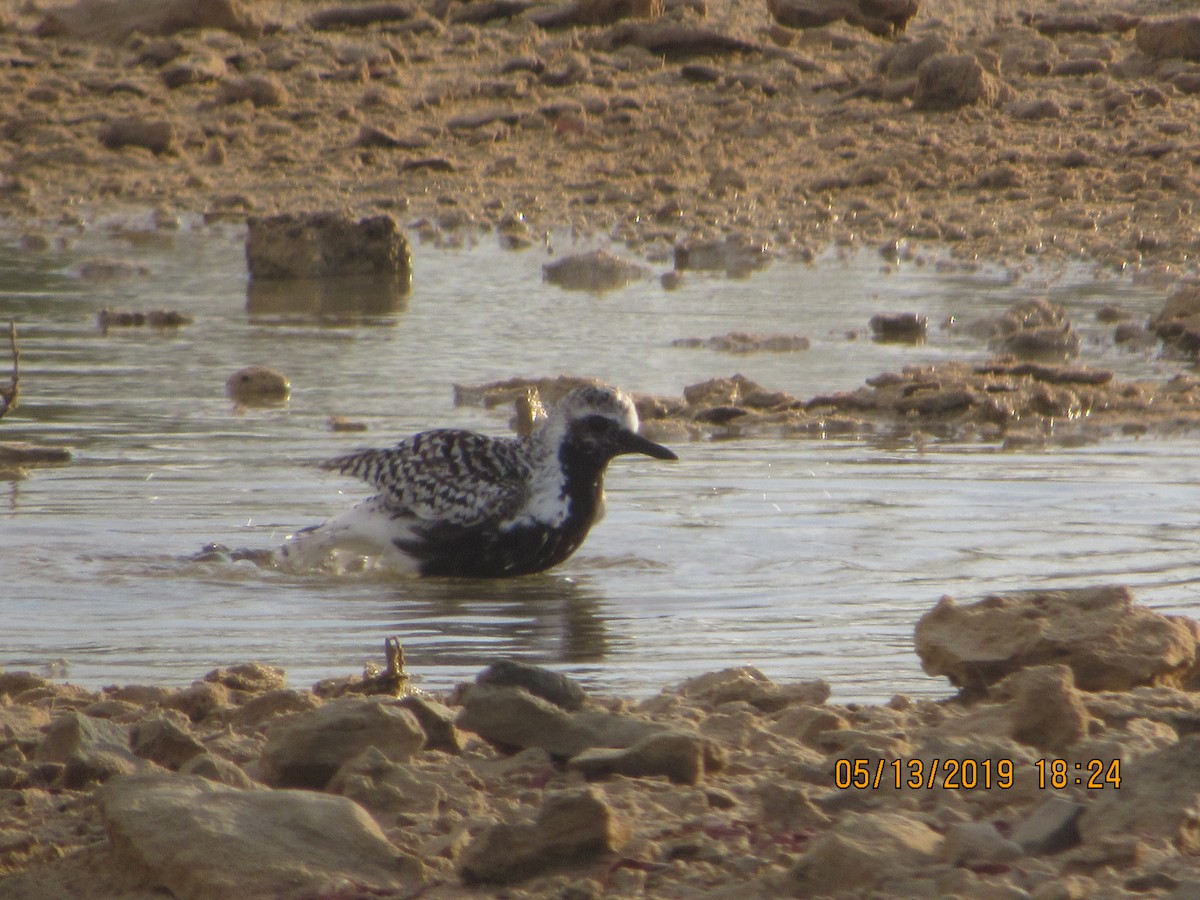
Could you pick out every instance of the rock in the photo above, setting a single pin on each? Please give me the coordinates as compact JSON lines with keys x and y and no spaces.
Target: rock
{"x":478,"y":12}
{"x":571,"y":825}
{"x":678,"y":756}
{"x":259,"y":90}
{"x":198,"y":701}
{"x":383,"y":786}
{"x":558,"y":689}
{"x":22,"y":453}
{"x":307,"y":750}
{"x":91,"y":750}
{"x":861,"y":851}
{"x":1046,"y":344}
{"x":882,"y":17}
{"x":197,"y":68}
{"x":253,"y":678}
{"x":318,"y":245}
{"x":359,"y":15}
{"x":436,"y":720}
{"x":953,"y":80}
{"x":1047,"y":711}
{"x":1170,"y":36}
{"x":970,"y":843}
{"x":195,"y":840}
{"x":112,"y":21}
{"x":512,"y":717}
{"x":746,"y":684}
{"x":902,"y":328}
{"x":155,"y":135}
{"x":218,"y":769}
{"x":1108,"y":642}
{"x":1158,"y":797}
{"x":675,"y":40}
{"x":161,"y":740}
{"x":900,"y":60}
{"x":732,"y":255}
{"x":597,"y":271}
{"x":1050,"y":828}
{"x":1177,"y":324}
{"x":258,"y":385}
{"x":744,"y":342}
{"x":594,"y":12}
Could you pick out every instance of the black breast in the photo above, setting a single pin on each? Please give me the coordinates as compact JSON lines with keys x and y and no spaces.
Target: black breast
{"x":487,"y":551}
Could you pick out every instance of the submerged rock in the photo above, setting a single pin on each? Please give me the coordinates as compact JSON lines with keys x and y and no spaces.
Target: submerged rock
{"x":327,"y":244}
{"x":258,"y":385}
{"x":597,"y":271}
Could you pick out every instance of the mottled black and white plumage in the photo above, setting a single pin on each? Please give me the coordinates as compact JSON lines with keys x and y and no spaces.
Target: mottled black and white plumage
{"x":453,"y":502}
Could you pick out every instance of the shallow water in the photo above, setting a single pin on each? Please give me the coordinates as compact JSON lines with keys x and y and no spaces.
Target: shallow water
{"x":806,"y":558}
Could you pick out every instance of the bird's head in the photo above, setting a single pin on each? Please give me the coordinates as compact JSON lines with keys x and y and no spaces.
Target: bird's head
{"x":598,"y":423}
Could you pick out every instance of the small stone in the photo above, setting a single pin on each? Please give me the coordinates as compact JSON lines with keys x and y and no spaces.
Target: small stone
{"x":260,"y":90}
{"x":558,"y":689}
{"x":155,"y":135}
{"x":258,"y":385}
{"x":1050,"y":828}
{"x":678,"y":756}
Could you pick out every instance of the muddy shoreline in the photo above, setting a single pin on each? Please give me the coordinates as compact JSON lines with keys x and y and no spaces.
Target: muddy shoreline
{"x":1016,"y":135}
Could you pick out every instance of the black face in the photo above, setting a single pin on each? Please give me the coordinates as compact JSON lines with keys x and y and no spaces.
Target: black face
{"x":599,"y":438}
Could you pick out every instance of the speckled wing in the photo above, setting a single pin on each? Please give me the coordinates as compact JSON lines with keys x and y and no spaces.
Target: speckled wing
{"x":445,"y":476}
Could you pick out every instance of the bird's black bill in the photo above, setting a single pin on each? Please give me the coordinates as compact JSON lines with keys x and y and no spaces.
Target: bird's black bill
{"x":635,"y":443}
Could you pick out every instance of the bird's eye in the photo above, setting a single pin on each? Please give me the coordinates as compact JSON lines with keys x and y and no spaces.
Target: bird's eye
{"x":597,"y":424}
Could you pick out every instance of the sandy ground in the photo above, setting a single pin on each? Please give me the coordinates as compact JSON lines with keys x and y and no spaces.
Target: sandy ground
{"x":1035,"y":132}
{"x":1077,"y":142}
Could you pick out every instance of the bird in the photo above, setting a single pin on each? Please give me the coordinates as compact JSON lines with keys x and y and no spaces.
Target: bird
{"x":458,"y":503}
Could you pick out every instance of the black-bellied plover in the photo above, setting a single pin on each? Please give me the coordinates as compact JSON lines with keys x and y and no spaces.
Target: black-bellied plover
{"x":458,"y":503}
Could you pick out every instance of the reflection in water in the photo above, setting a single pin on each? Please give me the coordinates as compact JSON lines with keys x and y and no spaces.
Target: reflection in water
{"x":464,"y":623}
{"x":343,"y":299}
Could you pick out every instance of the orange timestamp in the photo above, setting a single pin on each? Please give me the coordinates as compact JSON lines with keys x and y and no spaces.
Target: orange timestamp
{"x":971,"y":774}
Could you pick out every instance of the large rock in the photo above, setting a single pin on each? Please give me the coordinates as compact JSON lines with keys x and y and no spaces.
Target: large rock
{"x":306,"y":751}
{"x":1098,"y":632}
{"x":197,"y":840}
{"x":862,"y":851}
{"x":326,"y":244}
{"x":571,"y":825}
{"x":112,"y":21}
